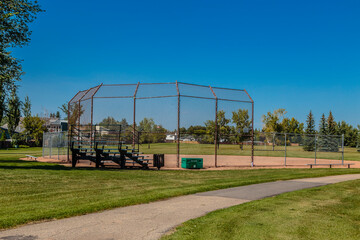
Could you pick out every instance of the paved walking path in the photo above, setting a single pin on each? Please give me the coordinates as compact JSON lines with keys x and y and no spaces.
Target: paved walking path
{"x":151,"y":221}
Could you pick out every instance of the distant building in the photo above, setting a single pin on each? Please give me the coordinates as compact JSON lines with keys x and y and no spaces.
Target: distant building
{"x":188,"y":138}
{"x":20,"y":128}
{"x":170,"y":138}
{"x":102,"y":130}
{"x":56,"y":125}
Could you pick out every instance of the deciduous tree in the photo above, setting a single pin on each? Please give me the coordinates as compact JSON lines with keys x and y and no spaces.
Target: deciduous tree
{"x":15,"y":17}
{"x":35,"y":127}
{"x":272,"y":120}
{"x":64,"y":109}
{"x":242,"y":123}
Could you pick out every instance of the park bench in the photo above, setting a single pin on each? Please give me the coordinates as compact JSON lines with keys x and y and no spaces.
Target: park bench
{"x":329,"y":164}
{"x":31,"y":157}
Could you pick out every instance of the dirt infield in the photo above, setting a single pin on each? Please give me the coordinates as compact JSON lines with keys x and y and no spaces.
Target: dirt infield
{"x":228,"y":162}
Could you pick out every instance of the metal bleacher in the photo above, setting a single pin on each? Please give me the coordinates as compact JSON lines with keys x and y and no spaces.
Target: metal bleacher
{"x":107,"y":144}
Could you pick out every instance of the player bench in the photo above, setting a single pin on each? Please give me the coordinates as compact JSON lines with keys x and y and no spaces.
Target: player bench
{"x":329,"y":164}
{"x":31,"y":157}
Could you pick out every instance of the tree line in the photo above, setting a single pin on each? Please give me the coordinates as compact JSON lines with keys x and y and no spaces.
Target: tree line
{"x":235,"y":129}
{"x":33,"y":125}
{"x":277,"y":121}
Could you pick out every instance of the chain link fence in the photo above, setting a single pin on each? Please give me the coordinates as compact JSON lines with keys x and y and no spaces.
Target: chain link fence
{"x":55,"y":145}
{"x":290,"y":149}
{"x":176,"y":119}
{"x":233,"y":149}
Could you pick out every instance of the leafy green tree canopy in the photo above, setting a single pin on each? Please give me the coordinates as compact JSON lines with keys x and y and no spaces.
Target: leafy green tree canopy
{"x":64,"y":109}
{"x":15,"y":17}
{"x":26,"y":107}
{"x":271,"y":120}
{"x":34,"y":128}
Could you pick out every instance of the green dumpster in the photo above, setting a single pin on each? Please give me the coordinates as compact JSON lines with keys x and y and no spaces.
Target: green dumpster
{"x":192,"y":163}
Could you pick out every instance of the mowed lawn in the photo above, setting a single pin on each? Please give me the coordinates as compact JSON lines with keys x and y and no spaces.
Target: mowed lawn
{"x":228,"y":149}
{"x":323,"y":213}
{"x":33,"y":191}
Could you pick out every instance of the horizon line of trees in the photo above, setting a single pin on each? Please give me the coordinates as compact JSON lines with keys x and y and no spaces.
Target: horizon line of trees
{"x":238,"y":129}
{"x":278,"y":122}
{"x":204,"y":134}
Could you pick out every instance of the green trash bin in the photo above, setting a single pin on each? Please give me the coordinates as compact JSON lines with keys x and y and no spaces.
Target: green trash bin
{"x":192,"y":163}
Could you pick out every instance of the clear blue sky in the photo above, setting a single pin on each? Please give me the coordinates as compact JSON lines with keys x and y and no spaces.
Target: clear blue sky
{"x":297,"y":55}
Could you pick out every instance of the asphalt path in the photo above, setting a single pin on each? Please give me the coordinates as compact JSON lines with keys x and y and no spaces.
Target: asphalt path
{"x":152,"y":220}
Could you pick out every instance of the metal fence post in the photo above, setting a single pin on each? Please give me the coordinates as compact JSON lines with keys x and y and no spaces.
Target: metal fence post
{"x":252,"y":133}
{"x":285,"y":149}
{"x":216,"y":130}
{"x":273,"y":143}
{"x":342,"y":147}
{"x":43,"y":148}
{"x":315,"y":147}
{"x":252,"y":129}
{"x":134,"y":115}
{"x":216,"y":137}
{"x":50,"y":145}
{"x":178,"y":127}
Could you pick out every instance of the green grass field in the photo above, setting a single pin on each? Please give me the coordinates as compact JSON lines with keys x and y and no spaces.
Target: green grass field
{"x":324,"y":213}
{"x":33,"y":191}
{"x":226,"y":149}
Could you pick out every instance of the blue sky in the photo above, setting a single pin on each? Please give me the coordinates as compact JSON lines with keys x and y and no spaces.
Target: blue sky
{"x":297,"y":55}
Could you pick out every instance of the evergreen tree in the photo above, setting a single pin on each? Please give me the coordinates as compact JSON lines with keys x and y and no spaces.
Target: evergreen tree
{"x":333,"y":141}
{"x":323,"y":127}
{"x":309,"y":140}
{"x":13,"y":114}
{"x":331,"y":124}
{"x":124,"y":124}
{"x":58,"y":115}
{"x":325,"y":143}
{"x":26,"y":109}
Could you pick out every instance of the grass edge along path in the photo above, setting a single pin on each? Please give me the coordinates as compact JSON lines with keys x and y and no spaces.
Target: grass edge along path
{"x":34,"y":191}
{"x":327,"y":212}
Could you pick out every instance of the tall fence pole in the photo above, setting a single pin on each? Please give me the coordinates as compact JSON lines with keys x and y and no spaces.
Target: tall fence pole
{"x":285,"y":149}
{"x":134,"y":116}
{"x":273,"y":143}
{"x":252,"y":134}
{"x":216,"y":140}
{"x":92,"y":121}
{"x":252,"y":128}
{"x":58,"y":147}
{"x":343,"y":150}
{"x":178,"y":127}
{"x":216,"y":130}
{"x":50,"y":145}
{"x":315,"y":147}
{"x":43,"y":145}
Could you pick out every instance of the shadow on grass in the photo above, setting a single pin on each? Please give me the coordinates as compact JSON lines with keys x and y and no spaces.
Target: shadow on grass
{"x":57,"y":167}
{"x":15,"y":161}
